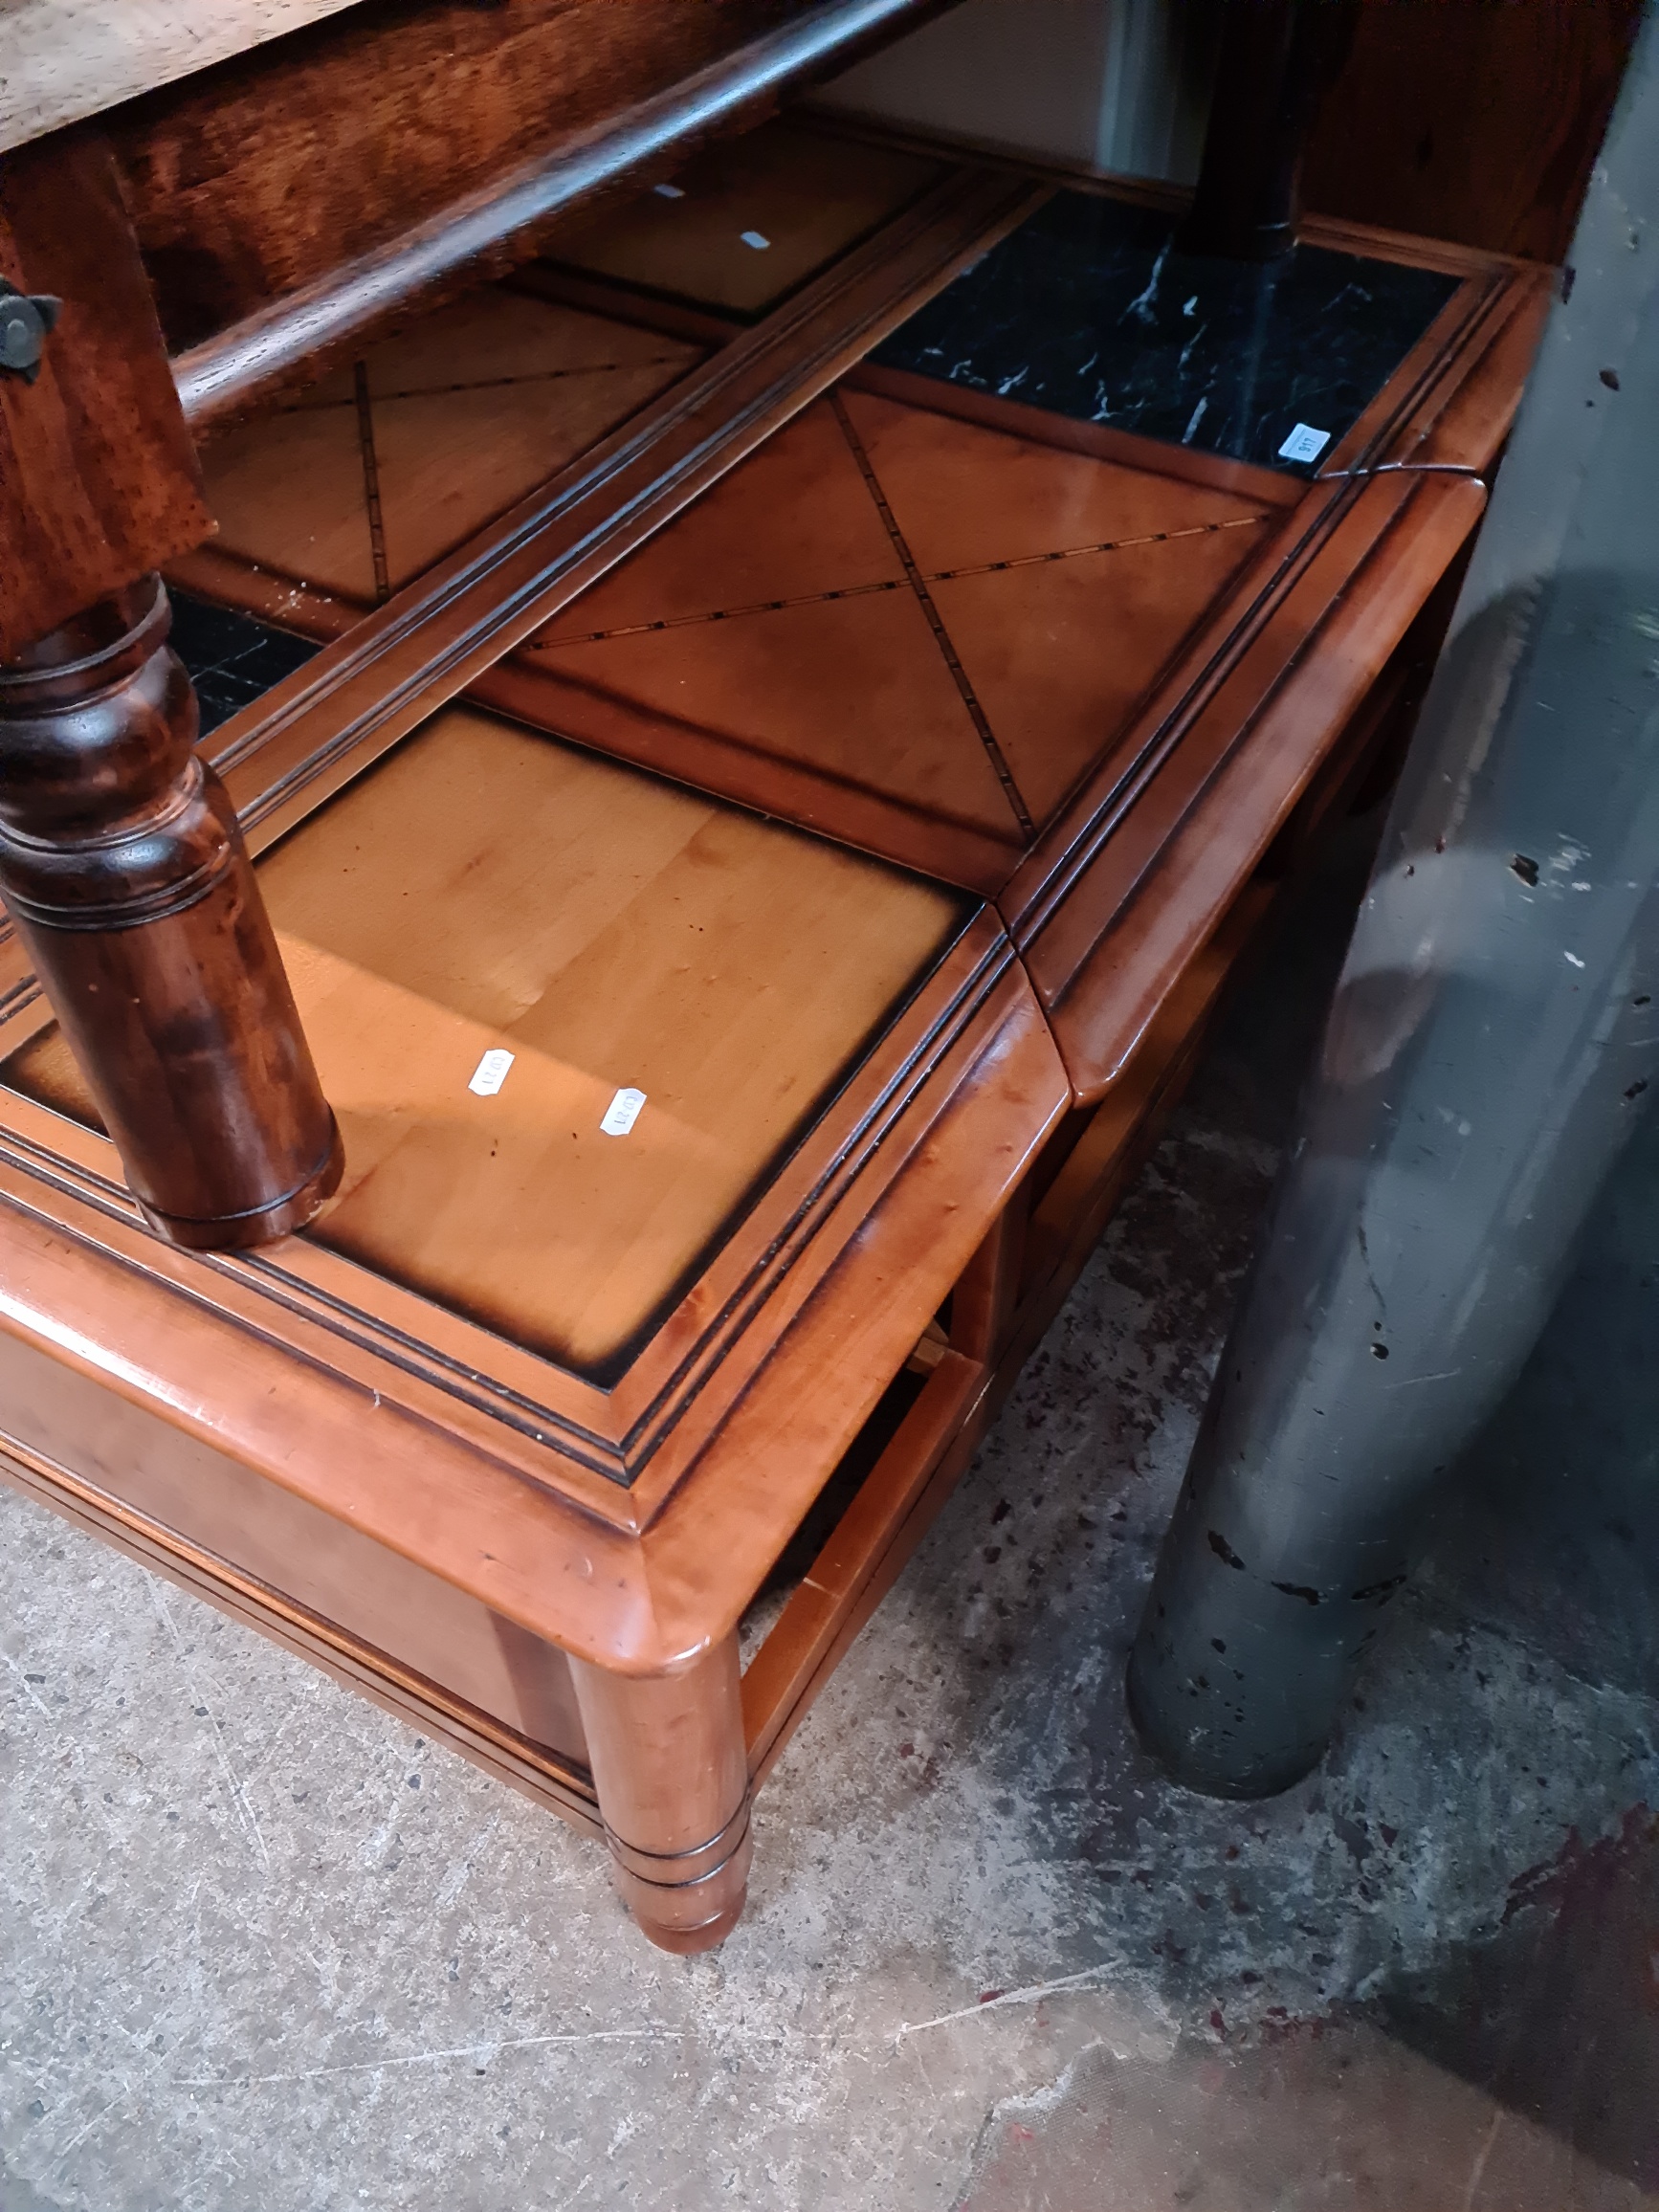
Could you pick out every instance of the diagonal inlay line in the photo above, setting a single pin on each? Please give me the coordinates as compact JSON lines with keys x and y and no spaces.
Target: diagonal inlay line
{"x":370,"y":480}
{"x":496,"y":383}
{"x":1106,"y":545}
{"x":941,"y":636}
{"x":714,"y":615}
{"x":867,"y":591}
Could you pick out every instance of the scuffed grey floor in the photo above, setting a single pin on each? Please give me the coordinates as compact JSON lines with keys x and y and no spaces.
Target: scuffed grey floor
{"x":265,"y":1948}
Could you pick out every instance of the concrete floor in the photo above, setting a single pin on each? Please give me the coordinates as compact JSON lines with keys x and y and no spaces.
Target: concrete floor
{"x":267,"y":1949}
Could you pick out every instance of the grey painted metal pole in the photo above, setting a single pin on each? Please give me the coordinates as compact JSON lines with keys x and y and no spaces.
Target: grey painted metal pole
{"x":1492,"y":1041}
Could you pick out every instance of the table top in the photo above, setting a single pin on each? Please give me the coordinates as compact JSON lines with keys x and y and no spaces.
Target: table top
{"x":860,"y":807}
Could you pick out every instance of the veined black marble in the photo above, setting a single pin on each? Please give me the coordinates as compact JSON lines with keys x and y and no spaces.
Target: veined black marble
{"x":232,"y":657}
{"x":1088,"y":310}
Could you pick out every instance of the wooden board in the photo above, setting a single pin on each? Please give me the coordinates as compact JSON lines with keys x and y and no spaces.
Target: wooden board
{"x":62,"y":60}
{"x":98,"y":482}
{"x":1471,"y":121}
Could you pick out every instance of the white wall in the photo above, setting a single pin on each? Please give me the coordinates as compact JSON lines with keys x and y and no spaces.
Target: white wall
{"x":1117,"y":85}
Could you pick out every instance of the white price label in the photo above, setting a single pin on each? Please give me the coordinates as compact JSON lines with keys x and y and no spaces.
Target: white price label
{"x":491,"y":1071}
{"x":757,"y":239}
{"x":1304,"y":444}
{"x":623,"y":1112}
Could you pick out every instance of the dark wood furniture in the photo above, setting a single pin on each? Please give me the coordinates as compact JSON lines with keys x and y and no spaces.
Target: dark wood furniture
{"x":121,"y":865}
{"x":881,"y":771}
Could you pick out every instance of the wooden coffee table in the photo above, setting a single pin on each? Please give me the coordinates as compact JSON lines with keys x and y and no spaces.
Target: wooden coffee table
{"x":777,"y":798}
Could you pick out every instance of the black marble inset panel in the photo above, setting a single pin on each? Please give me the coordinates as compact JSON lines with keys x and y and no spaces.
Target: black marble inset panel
{"x":232,"y":657}
{"x":1088,"y":310}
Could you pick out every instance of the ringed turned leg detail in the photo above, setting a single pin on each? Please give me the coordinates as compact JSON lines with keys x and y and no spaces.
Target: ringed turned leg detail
{"x":121,"y":860}
{"x":128,"y":881}
{"x":668,"y":1760}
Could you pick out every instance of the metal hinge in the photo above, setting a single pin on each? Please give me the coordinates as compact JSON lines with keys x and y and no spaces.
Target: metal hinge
{"x":25,"y":320}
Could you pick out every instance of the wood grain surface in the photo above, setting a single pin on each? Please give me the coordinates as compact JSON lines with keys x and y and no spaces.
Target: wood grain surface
{"x":380,"y":469}
{"x":488,"y":888}
{"x":99,"y":482}
{"x":1466,"y":120}
{"x":745,"y":222}
{"x":595,"y":1385}
{"x":130,"y":889}
{"x":903,"y":604}
{"x":292,"y":201}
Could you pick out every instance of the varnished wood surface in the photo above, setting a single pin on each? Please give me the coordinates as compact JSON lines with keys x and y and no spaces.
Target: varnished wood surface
{"x":747,"y":221}
{"x":960,"y":628}
{"x":681,"y":677}
{"x":435,"y":637}
{"x":369,"y":476}
{"x":1100,"y":441}
{"x":555,"y":1782}
{"x":291,"y":202}
{"x":130,"y":890}
{"x":668,"y":1758}
{"x":895,"y":1503}
{"x":755,"y":1382}
{"x":622,"y":1517}
{"x":487,"y":888}
{"x":1134,"y":876}
{"x":99,"y":482}
{"x":327,"y":1570}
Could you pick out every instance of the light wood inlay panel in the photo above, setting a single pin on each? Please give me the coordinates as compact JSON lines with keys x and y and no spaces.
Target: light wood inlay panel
{"x":808,"y":196}
{"x":485,"y":886}
{"x":1058,"y":651}
{"x":488,"y":887}
{"x":778,"y":611}
{"x":462,"y":414}
{"x":775,"y":612}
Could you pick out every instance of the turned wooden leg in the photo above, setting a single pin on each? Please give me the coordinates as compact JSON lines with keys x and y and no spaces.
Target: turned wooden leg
{"x":128,"y":881}
{"x":119,"y":855}
{"x":667,"y":1756}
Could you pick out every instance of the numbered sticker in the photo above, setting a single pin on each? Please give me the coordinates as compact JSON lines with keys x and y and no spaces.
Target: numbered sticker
{"x":491,"y":1071}
{"x":623,"y":1112}
{"x":1304,"y":444}
{"x":757,"y":239}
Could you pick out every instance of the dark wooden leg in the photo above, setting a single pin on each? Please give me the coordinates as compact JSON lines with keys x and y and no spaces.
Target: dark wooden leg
{"x":1278,"y":57}
{"x":128,"y":881}
{"x":119,"y":855}
{"x":668,"y":1760}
